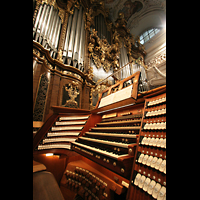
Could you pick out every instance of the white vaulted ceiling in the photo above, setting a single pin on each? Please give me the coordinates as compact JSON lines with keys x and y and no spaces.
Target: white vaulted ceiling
{"x":140,"y":14}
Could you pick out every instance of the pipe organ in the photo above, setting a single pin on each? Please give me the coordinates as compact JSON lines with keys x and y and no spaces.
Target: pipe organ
{"x":118,"y":46}
{"x":47,"y":27}
{"x":108,"y":146}
{"x":74,"y":48}
{"x":47,"y":30}
{"x":131,"y":68}
{"x":101,"y":28}
{"x":77,"y":40}
{"x":123,"y":60}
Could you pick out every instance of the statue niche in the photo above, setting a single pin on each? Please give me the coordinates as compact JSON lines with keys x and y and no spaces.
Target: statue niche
{"x":71,"y":95}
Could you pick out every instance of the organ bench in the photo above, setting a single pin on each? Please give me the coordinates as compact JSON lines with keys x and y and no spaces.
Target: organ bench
{"x":116,"y":146}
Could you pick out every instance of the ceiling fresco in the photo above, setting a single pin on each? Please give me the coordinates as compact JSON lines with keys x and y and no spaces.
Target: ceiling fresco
{"x":136,"y":10}
{"x":130,"y":8}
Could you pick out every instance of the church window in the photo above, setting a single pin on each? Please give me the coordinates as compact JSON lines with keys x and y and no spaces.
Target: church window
{"x":147,"y":35}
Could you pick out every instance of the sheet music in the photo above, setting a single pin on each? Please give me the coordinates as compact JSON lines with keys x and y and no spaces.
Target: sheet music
{"x":117,"y":96}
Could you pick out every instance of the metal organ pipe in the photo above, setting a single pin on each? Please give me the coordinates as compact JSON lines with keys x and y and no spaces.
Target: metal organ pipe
{"x":56,"y":39}
{"x":49,"y":34}
{"x":43,"y":24}
{"x":72,"y":35}
{"x":52,"y":29}
{"x":124,"y":62}
{"x":37,"y":20}
{"x":42,"y":16}
{"x":67,"y":38}
{"x":99,"y":26}
{"x":54,"y":32}
{"x":122,"y":55}
{"x":104,"y":29}
{"x":83,"y":49}
{"x":40,"y":22}
{"x":125,"y":72}
{"x":77,"y":37}
{"x":47,"y":27}
{"x":82,"y":45}
{"x":58,"y":33}
{"x":53,"y":35}
{"x":96,"y":23}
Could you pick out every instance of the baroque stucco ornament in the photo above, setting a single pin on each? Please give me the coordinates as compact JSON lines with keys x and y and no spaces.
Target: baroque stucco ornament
{"x":102,"y":53}
{"x":73,"y":92}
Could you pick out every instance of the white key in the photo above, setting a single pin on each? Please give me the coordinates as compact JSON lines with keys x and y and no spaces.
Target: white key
{"x":119,"y":144}
{"x":54,"y":146}
{"x":137,"y":179}
{"x":114,"y":156}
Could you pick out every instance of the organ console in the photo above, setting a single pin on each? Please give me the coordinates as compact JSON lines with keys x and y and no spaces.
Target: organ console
{"x":119,"y":149}
{"x":111,"y":143}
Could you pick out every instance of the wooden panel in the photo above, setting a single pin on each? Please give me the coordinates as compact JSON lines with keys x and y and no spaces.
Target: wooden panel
{"x":59,"y":109}
{"x":38,"y":166}
{"x":37,"y":124}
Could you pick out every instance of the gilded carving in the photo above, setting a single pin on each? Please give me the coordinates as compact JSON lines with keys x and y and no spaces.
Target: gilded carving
{"x":89,"y":18}
{"x":106,"y":55}
{"x":102,"y":53}
{"x":40,"y":102}
{"x":90,"y":73}
{"x":36,"y":10}
{"x":61,"y":14}
{"x":73,"y":92}
{"x":59,"y":56}
{"x":157,"y":60}
{"x":49,"y":2}
{"x":95,"y":92}
{"x":132,"y":44}
{"x":37,"y":52}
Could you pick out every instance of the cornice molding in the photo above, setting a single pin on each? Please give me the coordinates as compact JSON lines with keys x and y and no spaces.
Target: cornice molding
{"x":55,"y":65}
{"x":158,"y":60}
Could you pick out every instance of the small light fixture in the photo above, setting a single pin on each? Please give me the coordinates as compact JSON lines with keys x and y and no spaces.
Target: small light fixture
{"x":49,"y":154}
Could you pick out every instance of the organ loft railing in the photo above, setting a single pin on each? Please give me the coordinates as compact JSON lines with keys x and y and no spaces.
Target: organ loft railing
{"x":124,"y":72}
